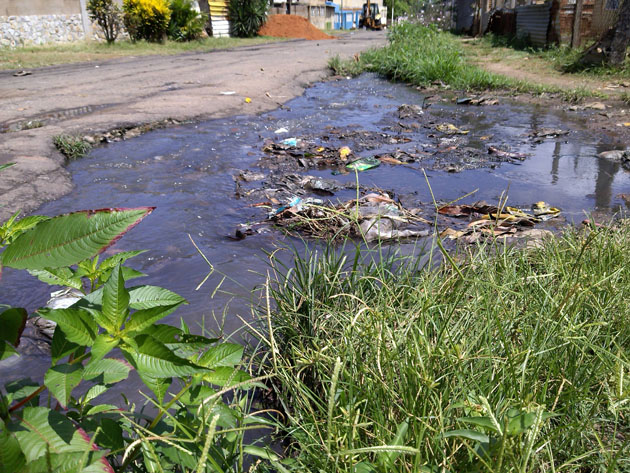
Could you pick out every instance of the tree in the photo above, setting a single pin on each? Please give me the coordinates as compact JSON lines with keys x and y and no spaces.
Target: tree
{"x":611,"y":48}
{"x":204,"y":6}
{"x":108,"y":16}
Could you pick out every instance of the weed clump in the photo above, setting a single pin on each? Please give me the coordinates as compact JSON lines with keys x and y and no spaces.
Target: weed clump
{"x":72,"y":147}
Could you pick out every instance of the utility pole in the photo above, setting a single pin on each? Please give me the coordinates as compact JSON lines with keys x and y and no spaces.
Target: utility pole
{"x":342,"y":17}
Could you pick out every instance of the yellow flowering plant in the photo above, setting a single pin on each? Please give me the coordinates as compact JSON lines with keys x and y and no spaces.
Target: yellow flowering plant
{"x":147,"y":19}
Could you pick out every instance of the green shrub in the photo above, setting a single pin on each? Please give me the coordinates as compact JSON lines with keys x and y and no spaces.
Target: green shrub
{"x":247,"y":17}
{"x":146,"y":19}
{"x":108,"y":16}
{"x":60,"y":423}
{"x":186,"y":23}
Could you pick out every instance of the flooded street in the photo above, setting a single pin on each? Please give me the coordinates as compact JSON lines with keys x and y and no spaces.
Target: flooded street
{"x":188,"y":173}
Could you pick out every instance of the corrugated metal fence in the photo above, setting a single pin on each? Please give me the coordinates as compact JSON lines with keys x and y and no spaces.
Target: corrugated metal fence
{"x":532,"y":21}
{"x":218,"y":13}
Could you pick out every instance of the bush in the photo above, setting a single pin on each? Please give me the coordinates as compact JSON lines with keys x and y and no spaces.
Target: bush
{"x":186,"y":23}
{"x":247,"y":17}
{"x":108,"y":16}
{"x":146,"y":19}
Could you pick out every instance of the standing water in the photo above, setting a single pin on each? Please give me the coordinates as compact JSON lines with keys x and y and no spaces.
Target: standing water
{"x":188,"y":172}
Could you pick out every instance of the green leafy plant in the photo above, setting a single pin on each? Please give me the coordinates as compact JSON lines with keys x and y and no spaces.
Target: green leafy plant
{"x":247,"y":17}
{"x":72,"y":147}
{"x":499,"y":440}
{"x":108,"y":15}
{"x":146,"y":19}
{"x":108,"y":332}
{"x":186,"y":23}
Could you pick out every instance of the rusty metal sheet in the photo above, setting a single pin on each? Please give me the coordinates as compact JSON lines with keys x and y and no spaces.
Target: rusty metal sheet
{"x":532,"y":21}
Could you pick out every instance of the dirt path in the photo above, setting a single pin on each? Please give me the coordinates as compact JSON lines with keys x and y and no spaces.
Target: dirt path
{"x":520,"y":65}
{"x":97,"y":97}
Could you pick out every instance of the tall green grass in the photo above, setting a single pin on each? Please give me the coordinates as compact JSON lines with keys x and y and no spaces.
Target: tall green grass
{"x":511,"y":361}
{"x":423,"y":55}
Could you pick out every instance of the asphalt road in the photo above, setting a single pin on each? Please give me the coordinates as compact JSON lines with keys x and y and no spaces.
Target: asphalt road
{"x":92,"y":98}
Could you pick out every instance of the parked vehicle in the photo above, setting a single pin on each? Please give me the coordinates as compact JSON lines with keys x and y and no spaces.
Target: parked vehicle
{"x":370,"y":17}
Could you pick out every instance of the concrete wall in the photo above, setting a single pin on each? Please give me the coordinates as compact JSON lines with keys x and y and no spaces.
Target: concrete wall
{"x":28,"y":22}
{"x":39,"y":7}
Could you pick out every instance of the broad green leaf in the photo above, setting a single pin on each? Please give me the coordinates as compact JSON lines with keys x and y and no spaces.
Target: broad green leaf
{"x":128,"y":274}
{"x":62,"y":379}
{"x":140,"y":297}
{"x":58,"y":277}
{"x":77,"y":324}
{"x":225,"y":376}
{"x":108,"y":370}
{"x":142,"y":319}
{"x":6,"y":166}
{"x":61,"y":346}
{"x":180,"y":458}
{"x":85,"y":461}
{"x":399,"y":439}
{"x":146,"y":297}
{"x":42,"y":429}
{"x":116,"y":299}
{"x":119,"y":258}
{"x":261,"y":452}
{"x":100,"y":408}
{"x":468,"y":434}
{"x":522,"y":421}
{"x":111,"y":435}
{"x":164,"y":333}
{"x":11,"y":457}
{"x":20,"y":389}
{"x":481,"y":422}
{"x":94,"y":392}
{"x":68,"y":239}
{"x":224,"y":354}
{"x":183,"y":344}
{"x":103,"y":344}
{"x":12,"y":322}
{"x":7,"y":350}
{"x":152,"y":358}
{"x":364,"y":467}
{"x":158,"y":386}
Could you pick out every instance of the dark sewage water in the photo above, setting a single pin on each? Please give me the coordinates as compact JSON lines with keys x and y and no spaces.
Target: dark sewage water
{"x":188,"y":172}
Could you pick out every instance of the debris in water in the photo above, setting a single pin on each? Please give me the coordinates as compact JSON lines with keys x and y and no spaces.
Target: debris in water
{"x":409,"y":111}
{"x":450,"y":129}
{"x":363,"y":164}
{"x":621,"y":155}
{"x":290,"y":142}
{"x":344,"y":152}
{"x":372,"y":217}
{"x":548,"y":133}
{"x":506,"y":154}
{"x":483,"y":100}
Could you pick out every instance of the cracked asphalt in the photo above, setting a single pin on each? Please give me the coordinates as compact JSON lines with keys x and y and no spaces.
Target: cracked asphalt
{"x":96,"y":97}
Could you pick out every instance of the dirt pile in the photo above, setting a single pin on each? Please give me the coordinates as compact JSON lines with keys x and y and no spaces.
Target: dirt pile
{"x":291,"y":26}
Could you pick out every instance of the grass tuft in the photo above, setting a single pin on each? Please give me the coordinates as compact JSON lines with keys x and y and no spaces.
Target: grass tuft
{"x":72,"y":147}
{"x":424,"y":56}
{"x":511,"y":361}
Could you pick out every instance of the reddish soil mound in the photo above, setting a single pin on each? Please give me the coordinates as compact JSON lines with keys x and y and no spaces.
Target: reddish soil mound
{"x":291,"y":26}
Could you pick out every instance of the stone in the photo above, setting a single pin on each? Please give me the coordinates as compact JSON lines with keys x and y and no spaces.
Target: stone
{"x":620,"y":155}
